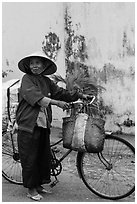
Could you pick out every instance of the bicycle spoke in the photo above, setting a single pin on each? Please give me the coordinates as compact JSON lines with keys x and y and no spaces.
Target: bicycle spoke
{"x":109,"y":174}
{"x":7,"y":165}
{"x":11,"y":167}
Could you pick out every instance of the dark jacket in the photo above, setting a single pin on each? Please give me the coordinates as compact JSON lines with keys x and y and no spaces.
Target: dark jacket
{"x":33,"y":88}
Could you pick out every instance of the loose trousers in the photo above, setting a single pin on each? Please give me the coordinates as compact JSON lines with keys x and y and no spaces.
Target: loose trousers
{"x":35,"y":156}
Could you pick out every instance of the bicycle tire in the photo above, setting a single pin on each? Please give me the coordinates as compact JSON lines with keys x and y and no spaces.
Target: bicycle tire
{"x":11,"y":166}
{"x":115,"y":183}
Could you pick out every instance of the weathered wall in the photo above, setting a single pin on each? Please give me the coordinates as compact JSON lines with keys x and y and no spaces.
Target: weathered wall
{"x":107,"y":32}
{"x":24,"y":26}
{"x":98,"y":37}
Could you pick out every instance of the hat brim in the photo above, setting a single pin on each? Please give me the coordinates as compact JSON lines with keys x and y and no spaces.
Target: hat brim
{"x":50,"y":66}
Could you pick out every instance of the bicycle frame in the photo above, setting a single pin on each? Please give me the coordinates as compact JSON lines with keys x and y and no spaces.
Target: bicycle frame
{"x":100,"y":156}
{"x":64,"y":155}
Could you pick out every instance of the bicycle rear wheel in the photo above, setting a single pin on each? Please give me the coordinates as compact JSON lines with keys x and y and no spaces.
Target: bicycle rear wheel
{"x":11,"y":166}
{"x":111,"y":173}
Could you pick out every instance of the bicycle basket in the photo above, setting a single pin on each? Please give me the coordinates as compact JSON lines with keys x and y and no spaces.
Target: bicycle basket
{"x":83,"y":133}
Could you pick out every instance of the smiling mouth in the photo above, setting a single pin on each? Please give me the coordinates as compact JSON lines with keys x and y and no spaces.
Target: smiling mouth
{"x":34,"y":68}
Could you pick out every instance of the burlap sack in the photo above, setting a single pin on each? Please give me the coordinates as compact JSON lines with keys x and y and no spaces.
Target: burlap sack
{"x":94,"y":134}
{"x":83,"y":133}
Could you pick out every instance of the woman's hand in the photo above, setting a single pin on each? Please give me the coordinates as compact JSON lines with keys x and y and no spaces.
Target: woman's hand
{"x":60,"y":104}
{"x":63,"y":105}
{"x":85,"y":96}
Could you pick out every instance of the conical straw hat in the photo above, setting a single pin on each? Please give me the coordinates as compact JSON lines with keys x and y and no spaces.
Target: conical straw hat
{"x":50,"y":66}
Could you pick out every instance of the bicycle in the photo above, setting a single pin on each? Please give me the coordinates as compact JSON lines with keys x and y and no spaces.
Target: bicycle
{"x":108,"y":174}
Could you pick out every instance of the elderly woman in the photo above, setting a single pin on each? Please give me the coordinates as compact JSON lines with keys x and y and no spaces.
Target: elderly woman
{"x":34,"y":116}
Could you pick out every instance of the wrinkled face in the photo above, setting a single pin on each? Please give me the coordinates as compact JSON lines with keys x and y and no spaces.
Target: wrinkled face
{"x":36,"y":65}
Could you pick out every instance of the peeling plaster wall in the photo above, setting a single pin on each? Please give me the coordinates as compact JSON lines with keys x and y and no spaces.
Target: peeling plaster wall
{"x":105,"y":33}
{"x":108,"y":29}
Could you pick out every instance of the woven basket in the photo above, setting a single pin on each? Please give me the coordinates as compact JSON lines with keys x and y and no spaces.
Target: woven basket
{"x":67,"y":131}
{"x":94,"y":134}
{"x":83,"y":133}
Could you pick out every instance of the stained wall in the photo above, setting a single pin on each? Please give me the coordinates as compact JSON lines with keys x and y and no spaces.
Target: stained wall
{"x":107,"y":31}
{"x":97,"y":36}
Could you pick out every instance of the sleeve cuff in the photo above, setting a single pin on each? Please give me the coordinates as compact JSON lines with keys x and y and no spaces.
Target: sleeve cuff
{"x":44,"y":101}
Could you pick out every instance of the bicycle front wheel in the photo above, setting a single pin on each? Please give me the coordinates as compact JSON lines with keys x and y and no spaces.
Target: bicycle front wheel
{"x":109,"y":174}
{"x":11,"y":166}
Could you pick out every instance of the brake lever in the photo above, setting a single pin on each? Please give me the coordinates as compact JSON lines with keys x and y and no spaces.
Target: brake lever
{"x":92,"y":100}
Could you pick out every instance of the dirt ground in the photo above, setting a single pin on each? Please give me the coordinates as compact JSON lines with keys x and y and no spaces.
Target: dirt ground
{"x":70,"y":187}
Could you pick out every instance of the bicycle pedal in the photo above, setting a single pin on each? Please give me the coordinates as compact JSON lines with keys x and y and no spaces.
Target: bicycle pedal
{"x":54,"y":183}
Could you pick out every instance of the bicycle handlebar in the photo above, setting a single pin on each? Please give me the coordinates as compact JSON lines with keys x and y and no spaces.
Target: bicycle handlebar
{"x":83,"y":106}
{"x":81,"y":102}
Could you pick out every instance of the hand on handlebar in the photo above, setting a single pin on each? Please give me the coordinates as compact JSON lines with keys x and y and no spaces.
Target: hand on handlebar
{"x":63,"y":105}
{"x":87,"y":97}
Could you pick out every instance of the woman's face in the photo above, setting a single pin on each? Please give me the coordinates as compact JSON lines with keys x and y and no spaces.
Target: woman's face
{"x":36,"y":65}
